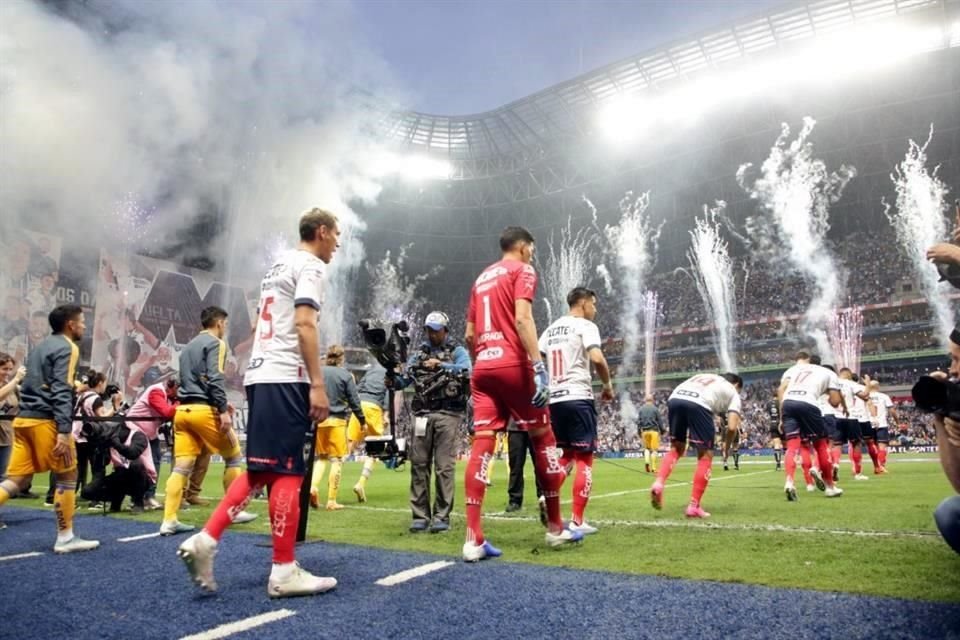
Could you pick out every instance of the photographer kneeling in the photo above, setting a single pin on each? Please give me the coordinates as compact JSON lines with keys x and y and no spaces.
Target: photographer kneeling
{"x":440,"y":373}
{"x":133,"y":471}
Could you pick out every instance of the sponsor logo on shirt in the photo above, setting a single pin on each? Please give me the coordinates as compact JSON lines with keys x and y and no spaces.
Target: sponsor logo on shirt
{"x":491,"y":336}
{"x":493,"y":353}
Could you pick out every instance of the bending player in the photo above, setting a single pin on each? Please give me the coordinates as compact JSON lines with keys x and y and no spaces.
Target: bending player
{"x":690,"y":411}
{"x":570,"y":345}
{"x":651,"y":426}
{"x":799,"y":394}
{"x":373,"y":398}
{"x":509,"y":380}
{"x":286,"y":395}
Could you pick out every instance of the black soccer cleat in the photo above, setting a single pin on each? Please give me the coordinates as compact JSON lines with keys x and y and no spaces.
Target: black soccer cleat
{"x":791,"y":494}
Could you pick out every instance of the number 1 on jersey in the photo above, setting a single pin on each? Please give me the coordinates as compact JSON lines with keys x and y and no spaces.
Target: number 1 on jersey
{"x":487,"y":323}
{"x":556,"y":364}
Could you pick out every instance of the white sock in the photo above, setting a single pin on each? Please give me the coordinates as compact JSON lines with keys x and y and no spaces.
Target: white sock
{"x":282,"y":571}
{"x":65,"y":536}
{"x":207,"y":538}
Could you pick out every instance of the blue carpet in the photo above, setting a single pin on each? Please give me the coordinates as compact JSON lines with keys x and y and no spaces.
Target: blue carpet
{"x":140,"y":590}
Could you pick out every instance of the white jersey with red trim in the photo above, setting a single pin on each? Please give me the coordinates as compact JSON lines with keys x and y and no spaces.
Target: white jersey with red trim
{"x":808,"y":382}
{"x":295,"y":279}
{"x":710,"y":391}
{"x":883,"y":403}
{"x":856,"y":407}
{"x":566,"y":344}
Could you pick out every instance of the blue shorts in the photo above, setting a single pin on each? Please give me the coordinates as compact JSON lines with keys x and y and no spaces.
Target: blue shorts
{"x":830,"y":422}
{"x":575,"y":424}
{"x":883,"y":435}
{"x":689,"y":422}
{"x":847,"y":431}
{"x":802,"y":420}
{"x":278,"y":427}
{"x":866,"y":430}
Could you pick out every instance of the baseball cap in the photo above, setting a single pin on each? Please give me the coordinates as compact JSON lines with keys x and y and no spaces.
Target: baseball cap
{"x":437,"y":320}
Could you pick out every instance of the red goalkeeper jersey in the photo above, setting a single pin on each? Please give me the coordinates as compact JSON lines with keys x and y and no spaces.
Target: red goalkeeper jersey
{"x":492,"y":312}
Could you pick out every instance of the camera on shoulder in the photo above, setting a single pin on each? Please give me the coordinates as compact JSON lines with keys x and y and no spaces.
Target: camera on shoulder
{"x":937,"y":396}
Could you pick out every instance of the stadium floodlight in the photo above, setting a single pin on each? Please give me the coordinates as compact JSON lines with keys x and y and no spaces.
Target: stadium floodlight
{"x":624,"y":118}
{"x":420,"y":167}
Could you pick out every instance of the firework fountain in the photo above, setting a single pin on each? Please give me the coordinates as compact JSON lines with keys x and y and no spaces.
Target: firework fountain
{"x":651,"y":324}
{"x":919,"y":222}
{"x":568,"y":265}
{"x":713,"y":271}
{"x":393,"y":295}
{"x":846,"y":335}
{"x":797,"y":190}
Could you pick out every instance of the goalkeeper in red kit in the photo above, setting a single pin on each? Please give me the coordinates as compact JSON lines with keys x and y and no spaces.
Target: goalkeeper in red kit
{"x":509,"y":381}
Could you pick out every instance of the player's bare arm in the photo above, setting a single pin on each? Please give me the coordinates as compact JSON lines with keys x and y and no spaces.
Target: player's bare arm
{"x":526,"y":328}
{"x":599,"y":362}
{"x":308,"y":339}
{"x":469,"y":338}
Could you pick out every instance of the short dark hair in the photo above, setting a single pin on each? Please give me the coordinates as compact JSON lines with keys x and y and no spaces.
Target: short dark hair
{"x":210,"y":315}
{"x":312,"y":220}
{"x":815,"y":360}
{"x":61,"y":315}
{"x":512,"y":235}
{"x":579,"y":293}
{"x":803,"y":355}
{"x":6,"y":358}
{"x":732,"y":378}
{"x":829,"y":366}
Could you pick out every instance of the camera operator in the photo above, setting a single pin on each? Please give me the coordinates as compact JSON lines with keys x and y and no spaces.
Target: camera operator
{"x":99,"y":401}
{"x":159,"y":400}
{"x":128,"y":450}
{"x":440,"y":373}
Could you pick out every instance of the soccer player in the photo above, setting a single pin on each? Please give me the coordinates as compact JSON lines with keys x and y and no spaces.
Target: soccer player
{"x":286,"y":395}
{"x":729,"y":444}
{"x":204,"y":418}
{"x":373,"y":398}
{"x":331,"y":441}
{"x":43,"y":438}
{"x":775,"y":428}
{"x":799,"y":394}
{"x":884,"y":411}
{"x":690,"y":411}
{"x":650,"y":426}
{"x":570,"y":345}
{"x":509,"y":380}
{"x":830,"y":416}
{"x":848,"y":429}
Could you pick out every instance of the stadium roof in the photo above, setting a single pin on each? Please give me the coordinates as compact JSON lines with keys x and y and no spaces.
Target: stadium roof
{"x":533,"y":126}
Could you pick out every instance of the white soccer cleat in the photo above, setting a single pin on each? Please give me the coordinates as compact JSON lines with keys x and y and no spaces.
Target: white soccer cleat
{"x":818,"y":479}
{"x":811,"y":488}
{"x":197,"y":553}
{"x":565,"y":537}
{"x":244,"y":517}
{"x":583,"y":528}
{"x":477,"y":552}
{"x":860,"y":476}
{"x":834,"y":492}
{"x":74,"y":545}
{"x":299,"y":583}
{"x":174,"y":528}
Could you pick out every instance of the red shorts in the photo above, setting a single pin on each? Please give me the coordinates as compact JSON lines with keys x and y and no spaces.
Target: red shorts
{"x":503,"y":393}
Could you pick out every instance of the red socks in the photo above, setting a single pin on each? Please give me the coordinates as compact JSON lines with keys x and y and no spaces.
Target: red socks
{"x":582,"y":484}
{"x":550,"y":473}
{"x":837,"y":451}
{"x":475,"y":485}
{"x":823,"y":456}
{"x":874,"y":453}
{"x":806,"y":463}
{"x":701,"y":479}
{"x":883,"y":457}
{"x":284,"y":515}
{"x":790,"y":463}
{"x":856,"y":457}
{"x":667,"y":467}
{"x":236,"y":500}
{"x":284,"y":509}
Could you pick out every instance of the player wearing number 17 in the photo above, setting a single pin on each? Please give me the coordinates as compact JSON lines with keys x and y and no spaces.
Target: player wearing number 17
{"x":509,"y":381}
{"x":285,"y":396}
{"x":690,"y":411}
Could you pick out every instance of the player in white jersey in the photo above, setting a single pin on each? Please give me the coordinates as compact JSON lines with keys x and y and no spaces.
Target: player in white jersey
{"x":690,"y":411}
{"x":884,"y":411}
{"x":850,"y":428}
{"x":569,"y":346}
{"x":830,"y":416}
{"x":801,"y":387}
{"x":286,"y":396}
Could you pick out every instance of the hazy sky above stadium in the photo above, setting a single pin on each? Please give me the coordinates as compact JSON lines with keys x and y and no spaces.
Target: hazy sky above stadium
{"x":459,"y":57}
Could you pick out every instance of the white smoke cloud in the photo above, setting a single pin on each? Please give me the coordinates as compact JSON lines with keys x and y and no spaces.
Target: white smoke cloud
{"x":194,"y":107}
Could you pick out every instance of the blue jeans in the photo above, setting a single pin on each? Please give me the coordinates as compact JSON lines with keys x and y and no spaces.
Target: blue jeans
{"x":947,"y":517}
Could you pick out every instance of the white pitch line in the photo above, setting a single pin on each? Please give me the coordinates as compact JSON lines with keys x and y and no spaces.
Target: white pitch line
{"x":410,"y":574}
{"x":155,"y":534}
{"x":239,"y":626}
{"x":672,"y":484}
{"x":21,"y":556}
